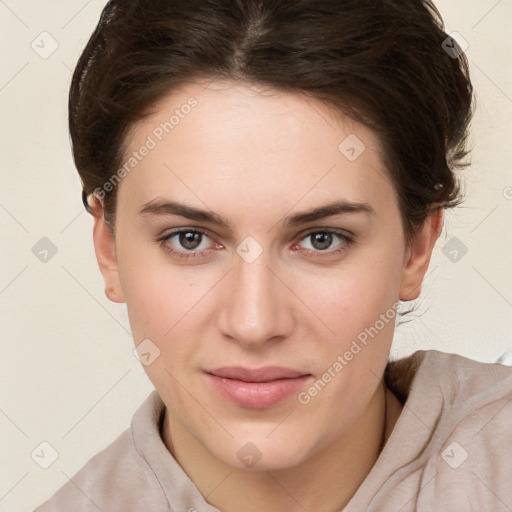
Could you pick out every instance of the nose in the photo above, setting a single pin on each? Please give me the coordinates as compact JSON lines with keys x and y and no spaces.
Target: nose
{"x":257,"y":307}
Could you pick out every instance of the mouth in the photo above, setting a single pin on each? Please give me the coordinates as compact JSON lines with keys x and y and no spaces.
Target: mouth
{"x":258,"y":388}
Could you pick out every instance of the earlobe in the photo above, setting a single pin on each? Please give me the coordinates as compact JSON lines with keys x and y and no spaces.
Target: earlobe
{"x":419,"y":254}
{"x":105,"y":248}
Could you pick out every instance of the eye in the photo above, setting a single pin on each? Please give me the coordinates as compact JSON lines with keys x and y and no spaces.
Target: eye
{"x":326,"y":241}
{"x":189,"y":239}
{"x":187,"y":243}
{"x":196,"y":243}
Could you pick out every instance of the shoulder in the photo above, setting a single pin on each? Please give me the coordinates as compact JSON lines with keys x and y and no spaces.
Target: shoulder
{"x":467,"y":408}
{"x":459,"y":382}
{"x":465,"y":387}
{"x":476,"y":455}
{"x":117,"y":478}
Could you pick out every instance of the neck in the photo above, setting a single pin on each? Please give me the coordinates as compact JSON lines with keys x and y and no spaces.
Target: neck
{"x":325,"y":482}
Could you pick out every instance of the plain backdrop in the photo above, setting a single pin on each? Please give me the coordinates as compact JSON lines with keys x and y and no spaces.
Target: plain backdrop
{"x":68,"y":374}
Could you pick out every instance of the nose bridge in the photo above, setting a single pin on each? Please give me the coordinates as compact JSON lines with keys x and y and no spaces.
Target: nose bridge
{"x":255,"y":309}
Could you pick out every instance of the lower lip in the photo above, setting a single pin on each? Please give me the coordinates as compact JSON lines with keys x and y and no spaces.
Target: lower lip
{"x":257,"y":395}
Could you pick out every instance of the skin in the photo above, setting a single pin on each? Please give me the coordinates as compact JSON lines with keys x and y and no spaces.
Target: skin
{"x":255,"y":156}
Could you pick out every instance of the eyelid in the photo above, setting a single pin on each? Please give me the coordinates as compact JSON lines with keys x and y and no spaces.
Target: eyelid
{"x":173,"y":232}
{"x":345,"y":237}
{"x":337,"y":231}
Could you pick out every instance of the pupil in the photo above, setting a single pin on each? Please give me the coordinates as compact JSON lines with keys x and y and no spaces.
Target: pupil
{"x":322,"y":240}
{"x":190,"y":240}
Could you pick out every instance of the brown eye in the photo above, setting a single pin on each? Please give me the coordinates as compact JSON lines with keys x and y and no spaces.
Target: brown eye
{"x":321,"y":240}
{"x":187,"y":243}
{"x":190,"y":239}
{"x":325,"y":242}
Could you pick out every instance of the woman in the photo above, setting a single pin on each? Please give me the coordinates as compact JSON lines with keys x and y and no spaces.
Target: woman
{"x":268,"y":180}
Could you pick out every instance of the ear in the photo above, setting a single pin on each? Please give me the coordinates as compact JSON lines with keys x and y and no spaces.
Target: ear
{"x":419,"y":253}
{"x":105,"y":248}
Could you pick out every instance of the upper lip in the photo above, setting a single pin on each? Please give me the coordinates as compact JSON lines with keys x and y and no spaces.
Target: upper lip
{"x":264,"y":374}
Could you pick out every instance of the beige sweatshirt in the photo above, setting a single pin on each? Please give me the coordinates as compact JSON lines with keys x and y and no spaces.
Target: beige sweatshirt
{"x":450,"y":450}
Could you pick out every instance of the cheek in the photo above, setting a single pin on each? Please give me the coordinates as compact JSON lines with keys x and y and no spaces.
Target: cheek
{"x":353,"y":297}
{"x":166,"y":304}
{"x":154,"y":292}
{"x":158,"y":303}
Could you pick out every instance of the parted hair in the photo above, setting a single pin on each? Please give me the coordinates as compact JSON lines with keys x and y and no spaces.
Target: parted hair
{"x":383,"y":63}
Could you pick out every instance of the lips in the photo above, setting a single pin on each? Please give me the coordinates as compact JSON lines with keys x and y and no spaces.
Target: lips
{"x":257,"y":388}
{"x":265,"y":374}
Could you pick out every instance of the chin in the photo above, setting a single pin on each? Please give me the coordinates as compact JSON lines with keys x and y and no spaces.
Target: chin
{"x":259,"y":454}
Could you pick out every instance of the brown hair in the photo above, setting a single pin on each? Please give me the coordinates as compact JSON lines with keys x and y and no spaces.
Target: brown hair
{"x":381,"y":62}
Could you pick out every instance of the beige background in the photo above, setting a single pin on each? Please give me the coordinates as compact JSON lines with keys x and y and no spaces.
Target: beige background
{"x":68,"y":374}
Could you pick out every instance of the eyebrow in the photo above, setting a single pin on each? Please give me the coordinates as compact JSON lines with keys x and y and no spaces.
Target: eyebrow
{"x":160,"y":207}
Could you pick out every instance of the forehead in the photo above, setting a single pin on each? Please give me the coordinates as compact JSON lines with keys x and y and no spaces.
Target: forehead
{"x":252,"y":145}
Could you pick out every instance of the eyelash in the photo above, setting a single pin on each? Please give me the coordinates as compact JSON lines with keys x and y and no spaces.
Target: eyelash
{"x":346,"y":242}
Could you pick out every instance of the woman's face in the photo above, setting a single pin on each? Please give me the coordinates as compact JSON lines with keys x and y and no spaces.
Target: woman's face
{"x":266,"y":324}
